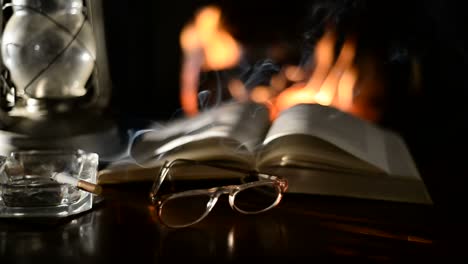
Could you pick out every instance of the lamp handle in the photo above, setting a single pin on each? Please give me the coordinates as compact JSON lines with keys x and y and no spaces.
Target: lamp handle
{"x":7,"y":91}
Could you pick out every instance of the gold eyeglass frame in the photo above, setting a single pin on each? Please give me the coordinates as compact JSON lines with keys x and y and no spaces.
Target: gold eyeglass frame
{"x":280,"y":185}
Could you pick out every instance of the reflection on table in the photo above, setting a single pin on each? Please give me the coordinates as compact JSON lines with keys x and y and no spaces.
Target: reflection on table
{"x":124,"y":224}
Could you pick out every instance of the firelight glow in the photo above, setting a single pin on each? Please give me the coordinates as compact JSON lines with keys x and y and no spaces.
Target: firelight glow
{"x":206,"y":46}
{"x":329,"y":84}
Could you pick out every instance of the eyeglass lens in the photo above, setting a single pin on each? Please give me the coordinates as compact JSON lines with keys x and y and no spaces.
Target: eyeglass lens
{"x":184,"y":210}
{"x":256,"y":198}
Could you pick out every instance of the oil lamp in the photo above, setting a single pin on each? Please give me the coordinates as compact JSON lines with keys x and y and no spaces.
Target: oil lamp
{"x":55,"y":84}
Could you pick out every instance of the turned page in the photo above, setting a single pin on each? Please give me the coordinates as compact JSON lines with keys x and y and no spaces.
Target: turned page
{"x":237,"y":127}
{"x":229,"y":132}
{"x":355,"y":136}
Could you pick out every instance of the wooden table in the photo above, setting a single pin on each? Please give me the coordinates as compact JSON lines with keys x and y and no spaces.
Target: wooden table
{"x":310,"y":227}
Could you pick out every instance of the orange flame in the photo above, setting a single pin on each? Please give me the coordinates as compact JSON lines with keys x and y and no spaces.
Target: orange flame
{"x":206,"y":46}
{"x":329,"y":84}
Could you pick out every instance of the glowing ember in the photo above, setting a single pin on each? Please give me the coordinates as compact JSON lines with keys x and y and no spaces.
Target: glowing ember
{"x":238,"y":91}
{"x":261,"y":94}
{"x":294,"y":73}
{"x":345,"y":88}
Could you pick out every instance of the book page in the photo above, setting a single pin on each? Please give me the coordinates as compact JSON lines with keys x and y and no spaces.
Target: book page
{"x":128,"y":170}
{"x":335,"y":183}
{"x":311,"y":153}
{"x":400,"y":161}
{"x":252,"y":127}
{"x":245,"y":124}
{"x":353,"y":135}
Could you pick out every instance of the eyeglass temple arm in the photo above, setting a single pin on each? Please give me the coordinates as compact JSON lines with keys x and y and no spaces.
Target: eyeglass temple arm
{"x":283,"y":183}
{"x":211,"y":164}
{"x":168,"y":164}
{"x":158,"y":182}
{"x":163,"y":172}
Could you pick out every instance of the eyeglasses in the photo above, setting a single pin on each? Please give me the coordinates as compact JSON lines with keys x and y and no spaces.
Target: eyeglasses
{"x":186,"y":208}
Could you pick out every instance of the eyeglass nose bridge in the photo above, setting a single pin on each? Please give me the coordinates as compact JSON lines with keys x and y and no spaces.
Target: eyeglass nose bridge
{"x":224,"y":190}
{"x":218,"y":191}
{"x":230,"y":189}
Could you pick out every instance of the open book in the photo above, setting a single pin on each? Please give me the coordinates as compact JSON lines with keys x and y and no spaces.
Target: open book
{"x":319,"y":149}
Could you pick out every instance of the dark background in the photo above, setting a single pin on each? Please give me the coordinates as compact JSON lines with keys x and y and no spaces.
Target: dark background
{"x":143,"y":42}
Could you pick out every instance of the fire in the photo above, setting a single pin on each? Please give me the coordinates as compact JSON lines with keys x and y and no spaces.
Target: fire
{"x":329,"y":84}
{"x":333,"y":81}
{"x":206,"y":46}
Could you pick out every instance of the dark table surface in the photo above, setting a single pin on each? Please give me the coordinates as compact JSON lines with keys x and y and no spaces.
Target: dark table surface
{"x":123,"y":224}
